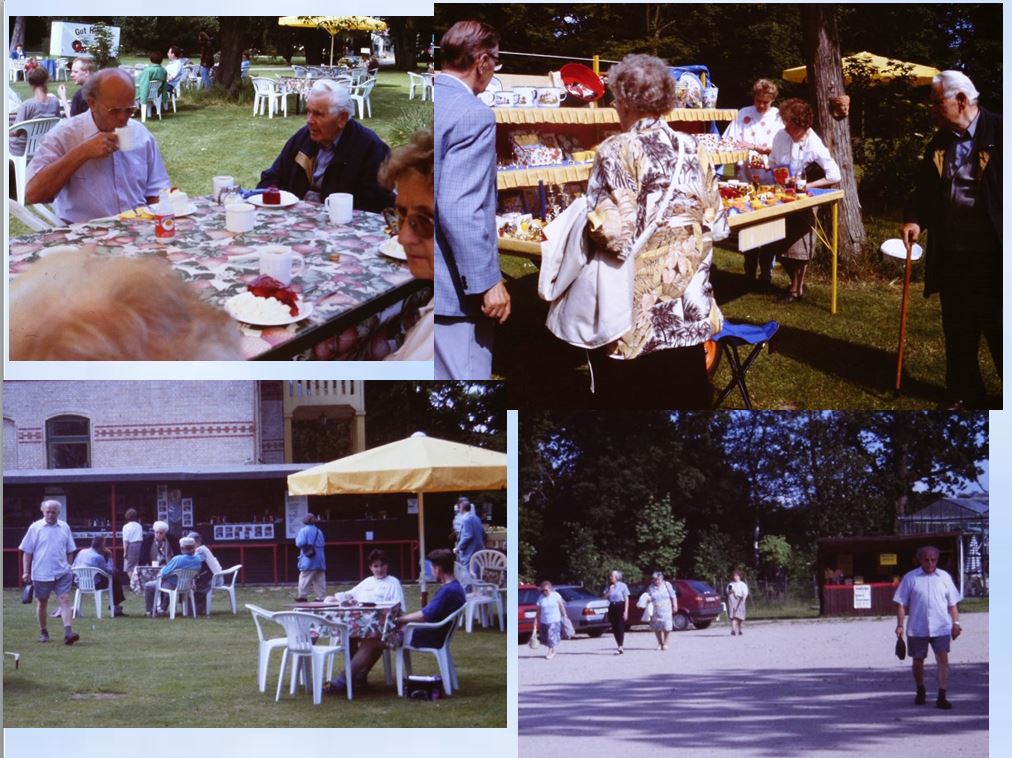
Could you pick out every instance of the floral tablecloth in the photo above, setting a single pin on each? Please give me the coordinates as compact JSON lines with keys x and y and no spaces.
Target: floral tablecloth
{"x":363,"y":301}
{"x":376,"y":623}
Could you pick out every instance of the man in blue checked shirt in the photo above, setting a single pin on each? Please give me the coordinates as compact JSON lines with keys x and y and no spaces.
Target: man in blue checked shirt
{"x":470,"y":294}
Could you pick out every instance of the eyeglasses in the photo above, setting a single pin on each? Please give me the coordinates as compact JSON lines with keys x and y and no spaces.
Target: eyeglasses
{"x":129,"y":111}
{"x":420,"y":224}
{"x":495,"y":61}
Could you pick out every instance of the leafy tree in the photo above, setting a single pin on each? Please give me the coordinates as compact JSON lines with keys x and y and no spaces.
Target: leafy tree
{"x":101,"y":49}
{"x":776,"y":553}
{"x":716,"y":555}
{"x":659,"y":537}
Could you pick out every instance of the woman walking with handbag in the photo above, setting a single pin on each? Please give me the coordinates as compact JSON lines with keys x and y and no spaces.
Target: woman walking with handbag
{"x":312,"y":564}
{"x":549,"y":619}
{"x":665,"y":603}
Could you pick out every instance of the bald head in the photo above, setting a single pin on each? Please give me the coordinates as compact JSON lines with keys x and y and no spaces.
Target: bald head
{"x":111,"y":97}
{"x":108,"y":80}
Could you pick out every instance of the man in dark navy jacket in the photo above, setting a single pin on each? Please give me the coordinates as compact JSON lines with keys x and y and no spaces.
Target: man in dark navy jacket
{"x":331,"y":153}
{"x":958,"y":195}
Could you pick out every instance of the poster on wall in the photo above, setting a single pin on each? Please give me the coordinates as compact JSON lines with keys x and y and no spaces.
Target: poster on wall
{"x":187,"y":512}
{"x":72,"y":38}
{"x":296,"y":506}
{"x":175,"y":511}
{"x":862,"y":596}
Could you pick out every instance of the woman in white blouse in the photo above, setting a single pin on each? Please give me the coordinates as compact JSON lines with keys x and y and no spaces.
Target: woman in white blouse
{"x":755,"y":126}
{"x":800,"y":148}
{"x":380,"y":587}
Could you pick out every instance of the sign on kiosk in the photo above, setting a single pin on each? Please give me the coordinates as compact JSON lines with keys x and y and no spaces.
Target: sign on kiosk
{"x":72,"y":38}
{"x":862,"y":596}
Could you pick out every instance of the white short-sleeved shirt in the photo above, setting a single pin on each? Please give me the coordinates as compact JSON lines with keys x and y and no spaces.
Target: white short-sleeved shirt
{"x":927,"y":598}
{"x":385,"y":590}
{"x":49,"y":546}
{"x":204,"y":553}
{"x":133,"y":532}
{"x":550,"y":611}
{"x":810,"y":150}
{"x":102,"y":186}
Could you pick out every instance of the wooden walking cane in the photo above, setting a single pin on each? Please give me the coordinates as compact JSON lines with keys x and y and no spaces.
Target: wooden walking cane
{"x":903,"y":315}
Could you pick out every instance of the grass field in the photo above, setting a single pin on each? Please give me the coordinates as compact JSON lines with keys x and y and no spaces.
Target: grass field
{"x":142,"y":672}
{"x":796,"y":608}
{"x":817,"y":360}
{"x":208,"y":137}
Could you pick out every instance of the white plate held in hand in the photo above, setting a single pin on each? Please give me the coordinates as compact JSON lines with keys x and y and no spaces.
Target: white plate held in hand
{"x":895,"y":248}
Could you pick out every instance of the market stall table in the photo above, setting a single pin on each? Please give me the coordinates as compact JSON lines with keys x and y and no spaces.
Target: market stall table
{"x":767,"y":225}
{"x":354,"y":290}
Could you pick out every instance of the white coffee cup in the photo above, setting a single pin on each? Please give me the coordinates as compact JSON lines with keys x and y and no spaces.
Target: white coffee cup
{"x":180,"y":202}
{"x":218,"y":183}
{"x":127,"y":138}
{"x":240,"y":217}
{"x":279,"y":262}
{"x":339,"y":205}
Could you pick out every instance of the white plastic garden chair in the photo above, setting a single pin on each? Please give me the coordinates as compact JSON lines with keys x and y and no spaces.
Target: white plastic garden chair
{"x":225,"y":582}
{"x":268,"y":96}
{"x":86,"y":576}
{"x":360,"y":94}
{"x":266,"y":644}
{"x":15,"y":68}
{"x":487,"y":570}
{"x":444,"y":658}
{"x":184,"y":586}
{"x":307,"y":659}
{"x":13,"y":101}
{"x":154,"y":98}
{"x":416,"y":81}
{"x":61,"y":68}
{"x":26,"y":217}
{"x":36,"y":129}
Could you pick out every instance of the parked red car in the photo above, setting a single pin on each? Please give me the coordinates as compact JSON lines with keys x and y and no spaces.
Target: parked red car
{"x":527,"y":601}
{"x":698,"y":602}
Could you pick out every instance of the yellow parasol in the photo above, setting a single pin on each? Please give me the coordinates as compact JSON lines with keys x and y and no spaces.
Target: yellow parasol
{"x":883,"y":69}
{"x":334,"y":24}
{"x":417,"y":464}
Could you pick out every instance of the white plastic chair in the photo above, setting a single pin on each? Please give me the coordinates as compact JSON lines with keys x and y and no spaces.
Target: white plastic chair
{"x":86,"y":586}
{"x":26,"y":217}
{"x":13,"y":101}
{"x":417,"y":81}
{"x":184,"y":587}
{"x":301,"y":650}
{"x":154,"y":98}
{"x":224,"y":581}
{"x":61,"y":68}
{"x":444,"y":658}
{"x":266,"y":644}
{"x":267,"y":94}
{"x":488,"y":572}
{"x":360,"y":94}
{"x":15,"y":68}
{"x":36,"y":129}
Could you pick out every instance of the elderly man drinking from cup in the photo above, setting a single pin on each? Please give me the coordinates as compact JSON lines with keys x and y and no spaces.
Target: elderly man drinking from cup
{"x":331,"y":153}
{"x":101,"y":162}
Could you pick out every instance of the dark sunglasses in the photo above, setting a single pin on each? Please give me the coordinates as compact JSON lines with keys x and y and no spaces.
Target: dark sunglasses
{"x":420,"y":224}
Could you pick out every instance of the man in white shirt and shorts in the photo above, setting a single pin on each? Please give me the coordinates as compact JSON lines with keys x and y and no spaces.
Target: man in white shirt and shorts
{"x":928,"y":598}
{"x":47,"y":550}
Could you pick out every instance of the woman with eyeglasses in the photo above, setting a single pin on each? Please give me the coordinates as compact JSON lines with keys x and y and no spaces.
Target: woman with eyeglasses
{"x":409,"y":171}
{"x":548,"y":621}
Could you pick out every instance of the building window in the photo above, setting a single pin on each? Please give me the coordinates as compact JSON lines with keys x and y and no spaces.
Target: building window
{"x":68,"y":442}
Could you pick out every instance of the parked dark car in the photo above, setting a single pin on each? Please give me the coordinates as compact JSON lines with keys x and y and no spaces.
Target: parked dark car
{"x":527,"y":602}
{"x":587,"y":610}
{"x":698,"y":602}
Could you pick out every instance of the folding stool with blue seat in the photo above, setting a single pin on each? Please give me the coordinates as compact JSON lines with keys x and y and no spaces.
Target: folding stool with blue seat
{"x":730,"y":338}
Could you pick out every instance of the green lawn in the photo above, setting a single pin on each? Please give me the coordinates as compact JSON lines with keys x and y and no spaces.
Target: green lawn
{"x":797,"y":608}
{"x":142,"y":672}
{"x":816,"y":360}
{"x":207,"y":137}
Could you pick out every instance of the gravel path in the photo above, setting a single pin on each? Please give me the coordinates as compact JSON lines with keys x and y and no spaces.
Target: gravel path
{"x":785,"y":688}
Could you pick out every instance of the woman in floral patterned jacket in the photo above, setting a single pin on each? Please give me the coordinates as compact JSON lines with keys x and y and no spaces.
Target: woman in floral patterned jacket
{"x":660,"y":362}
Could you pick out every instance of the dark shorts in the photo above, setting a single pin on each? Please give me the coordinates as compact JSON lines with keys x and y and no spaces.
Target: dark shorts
{"x":62,"y":585}
{"x":917,"y":647}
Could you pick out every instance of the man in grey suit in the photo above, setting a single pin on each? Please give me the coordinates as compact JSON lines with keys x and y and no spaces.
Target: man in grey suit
{"x":470,"y":294}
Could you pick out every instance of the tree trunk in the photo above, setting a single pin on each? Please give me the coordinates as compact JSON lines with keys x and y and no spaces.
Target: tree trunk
{"x":18,"y":34}
{"x":825,"y":80}
{"x":403,"y":32}
{"x":232,"y":30}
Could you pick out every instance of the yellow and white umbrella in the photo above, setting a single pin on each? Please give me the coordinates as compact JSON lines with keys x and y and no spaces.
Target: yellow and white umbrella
{"x":417,"y":464}
{"x":334,"y":24}
{"x":883,"y":70}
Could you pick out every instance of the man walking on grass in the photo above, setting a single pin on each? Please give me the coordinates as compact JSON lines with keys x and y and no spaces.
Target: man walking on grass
{"x":48,"y":548}
{"x":928,"y":599}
